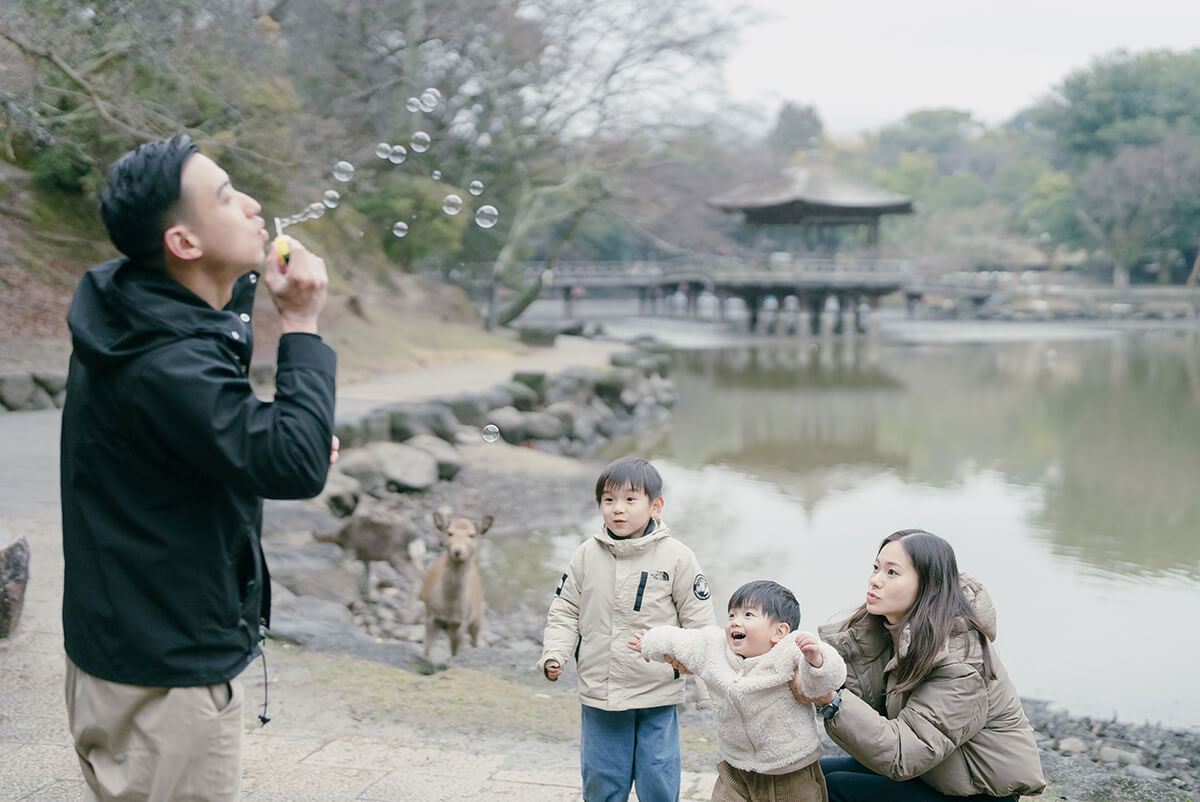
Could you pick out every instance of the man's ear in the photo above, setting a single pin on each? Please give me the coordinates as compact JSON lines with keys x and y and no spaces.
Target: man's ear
{"x":181,"y":243}
{"x":780,"y":631}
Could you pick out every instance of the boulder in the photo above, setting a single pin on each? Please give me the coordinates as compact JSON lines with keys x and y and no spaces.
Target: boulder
{"x":534,"y":380}
{"x":449,"y":461}
{"x":543,"y":426}
{"x":314,"y":569}
{"x":18,"y":391}
{"x":523,"y":396}
{"x":341,"y":493}
{"x":409,"y":418}
{"x":364,"y":466}
{"x":14,"y":577}
{"x":511,"y":423}
{"x":405,"y":468}
{"x":312,"y":621}
{"x":53,"y":382}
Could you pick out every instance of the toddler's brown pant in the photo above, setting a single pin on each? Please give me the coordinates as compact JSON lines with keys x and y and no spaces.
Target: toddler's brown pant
{"x":803,"y":785}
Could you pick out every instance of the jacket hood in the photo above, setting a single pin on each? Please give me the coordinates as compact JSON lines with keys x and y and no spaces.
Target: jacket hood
{"x":624,"y":547}
{"x":121,"y":311}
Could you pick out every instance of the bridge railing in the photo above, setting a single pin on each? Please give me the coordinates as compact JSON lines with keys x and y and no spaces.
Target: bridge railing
{"x":770,"y":268}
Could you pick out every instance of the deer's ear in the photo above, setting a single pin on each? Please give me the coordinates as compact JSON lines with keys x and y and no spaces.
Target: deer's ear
{"x":439,"y":521}
{"x":485,"y":524}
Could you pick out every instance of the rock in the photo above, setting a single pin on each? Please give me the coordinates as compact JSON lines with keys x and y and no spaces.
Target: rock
{"x":523,"y":397}
{"x":364,"y":466}
{"x":340,"y":494}
{"x":311,"y":621}
{"x":363,"y":428}
{"x":1072,"y":746}
{"x":14,"y":577}
{"x":18,"y":391}
{"x":449,"y":461}
{"x":53,"y":382}
{"x":469,"y":408}
{"x":537,"y":336}
{"x":1144,"y":773}
{"x":314,"y":569}
{"x":534,"y":380}
{"x":281,"y":517}
{"x":511,"y":423}
{"x":405,"y":468}
{"x":413,"y":418}
{"x":1109,"y":754}
{"x":543,"y":426}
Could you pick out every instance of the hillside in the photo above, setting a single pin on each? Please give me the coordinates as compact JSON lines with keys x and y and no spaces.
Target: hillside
{"x":377,"y":318}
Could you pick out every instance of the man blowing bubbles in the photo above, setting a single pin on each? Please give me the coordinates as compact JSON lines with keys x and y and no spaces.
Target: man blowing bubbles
{"x":166,"y":456}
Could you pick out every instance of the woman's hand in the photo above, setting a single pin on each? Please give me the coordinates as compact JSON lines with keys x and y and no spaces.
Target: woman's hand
{"x":798,"y":693}
{"x":675,"y":664}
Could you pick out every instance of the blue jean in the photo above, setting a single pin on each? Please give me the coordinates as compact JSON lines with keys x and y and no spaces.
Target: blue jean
{"x":621,"y":748}
{"x":850,"y":781}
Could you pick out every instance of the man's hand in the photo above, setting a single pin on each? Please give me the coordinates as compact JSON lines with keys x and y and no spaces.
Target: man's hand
{"x":297,"y":287}
{"x":553,"y":670}
{"x":335,"y":451}
{"x":810,"y":646}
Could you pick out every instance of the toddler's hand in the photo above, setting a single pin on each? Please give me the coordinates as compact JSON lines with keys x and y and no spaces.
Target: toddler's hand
{"x":635,"y":643}
{"x":553,"y":670}
{"x":810,"y":647}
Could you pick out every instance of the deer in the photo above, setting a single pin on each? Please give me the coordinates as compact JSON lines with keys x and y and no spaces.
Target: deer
{"x":453,"y":589}
{"x":368,"y":538}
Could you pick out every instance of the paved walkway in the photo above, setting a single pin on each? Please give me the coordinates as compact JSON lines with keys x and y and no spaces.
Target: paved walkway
{"x":318,"y":746}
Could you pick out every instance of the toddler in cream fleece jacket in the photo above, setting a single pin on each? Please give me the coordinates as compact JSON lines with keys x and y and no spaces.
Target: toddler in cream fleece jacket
{"x":769,"y":742}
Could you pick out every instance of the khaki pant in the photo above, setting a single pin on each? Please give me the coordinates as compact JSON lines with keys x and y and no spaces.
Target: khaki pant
{"x":803,"y":785}
{"x":156,"y":744}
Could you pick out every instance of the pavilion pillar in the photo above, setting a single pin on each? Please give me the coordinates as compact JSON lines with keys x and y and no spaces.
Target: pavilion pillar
{"x":568,"y":304}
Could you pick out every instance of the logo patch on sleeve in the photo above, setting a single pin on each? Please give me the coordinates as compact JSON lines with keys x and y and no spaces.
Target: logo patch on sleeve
{"x":700,"y":587}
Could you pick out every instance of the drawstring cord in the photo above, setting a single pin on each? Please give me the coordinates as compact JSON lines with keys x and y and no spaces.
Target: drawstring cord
{"x":263,"y":717}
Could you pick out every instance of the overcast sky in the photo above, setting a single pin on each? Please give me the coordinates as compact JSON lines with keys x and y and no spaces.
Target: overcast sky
{"x":865,"y":63}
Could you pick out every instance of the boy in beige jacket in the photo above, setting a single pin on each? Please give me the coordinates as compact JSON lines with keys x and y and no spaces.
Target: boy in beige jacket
{"x":630,"y":576}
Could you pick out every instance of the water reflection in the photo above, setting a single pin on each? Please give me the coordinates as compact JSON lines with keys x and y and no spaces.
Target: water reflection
{"x":1108,"y":430}
{"x":1062,"y":472}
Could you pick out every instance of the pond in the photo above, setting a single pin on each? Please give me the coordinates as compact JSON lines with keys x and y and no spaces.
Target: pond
{"x":1063,"y":471}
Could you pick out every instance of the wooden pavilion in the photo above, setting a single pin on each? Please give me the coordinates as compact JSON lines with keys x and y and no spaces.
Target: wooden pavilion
{"x":807,"y":205}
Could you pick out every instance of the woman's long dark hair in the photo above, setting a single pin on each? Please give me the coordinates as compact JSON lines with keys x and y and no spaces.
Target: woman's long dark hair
{"x":940,"y":600}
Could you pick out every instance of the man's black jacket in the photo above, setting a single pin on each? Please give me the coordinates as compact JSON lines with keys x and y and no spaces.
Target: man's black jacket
{"x":166,"y":456}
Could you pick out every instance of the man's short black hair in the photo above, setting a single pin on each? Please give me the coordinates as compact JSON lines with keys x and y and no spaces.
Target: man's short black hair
{"x":773,"y":599}
{"x":141,"y":195}
{"x":631,"y":471}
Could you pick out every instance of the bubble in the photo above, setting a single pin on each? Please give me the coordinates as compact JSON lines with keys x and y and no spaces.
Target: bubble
{"x":433,"y":92}
{"x":491,"y":433}
{"x":428,"y":101}
{"x":452,"y":204}
{"x":419,"y":142}
{"x":315,"y":210}
{"x":383,"y":150}
{"x":487,"y":216}
{"x":437,"y":175}
{"x":475,"y":188}
{"x":398,"y":155}
{"x":331,"y":198}
{"x":400,"y":229}
{"x":413,"y":104}
{"x":343,"y":171}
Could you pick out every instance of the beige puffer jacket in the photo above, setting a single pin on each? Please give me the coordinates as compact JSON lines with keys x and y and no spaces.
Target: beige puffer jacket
{"x":612,"y":590}
{"x":959,"y":733}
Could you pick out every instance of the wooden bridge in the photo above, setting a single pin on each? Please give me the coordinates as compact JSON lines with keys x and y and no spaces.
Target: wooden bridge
{"x":853,"y":281}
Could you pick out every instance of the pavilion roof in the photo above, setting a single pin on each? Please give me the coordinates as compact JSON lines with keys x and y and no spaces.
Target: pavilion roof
{"x":816,"y":186}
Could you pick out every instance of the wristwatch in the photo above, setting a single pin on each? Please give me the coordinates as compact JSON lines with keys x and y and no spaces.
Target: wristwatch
{"x":828,"y":711}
